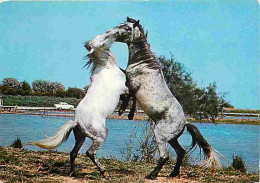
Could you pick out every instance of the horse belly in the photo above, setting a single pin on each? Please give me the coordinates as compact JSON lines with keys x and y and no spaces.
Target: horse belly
{"x":152,"y":104}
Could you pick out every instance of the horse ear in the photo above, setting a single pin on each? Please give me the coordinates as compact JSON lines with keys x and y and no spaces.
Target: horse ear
{"x":146,"y":34}
{"x":136,"y":23}
{"x":127,"y":19}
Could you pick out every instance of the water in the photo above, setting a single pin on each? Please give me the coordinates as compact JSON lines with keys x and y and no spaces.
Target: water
{"x":226,"y":138}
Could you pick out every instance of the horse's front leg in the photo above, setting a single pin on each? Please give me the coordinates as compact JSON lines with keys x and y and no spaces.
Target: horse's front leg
{"x":125,"y":98}
{"x":132,"y":110}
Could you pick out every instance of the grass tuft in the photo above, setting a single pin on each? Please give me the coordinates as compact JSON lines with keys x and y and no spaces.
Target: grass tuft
{"x":17,"y":143}
{"x":238,"y":163}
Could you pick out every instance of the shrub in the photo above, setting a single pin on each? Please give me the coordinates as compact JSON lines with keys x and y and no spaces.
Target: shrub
{"x":17,"y":143}
{"x":60,"y":93}
{"x":146,"y":147}
{"x":37,"y":101}
{"x":75,"y":92}
{"x":238,"y":163}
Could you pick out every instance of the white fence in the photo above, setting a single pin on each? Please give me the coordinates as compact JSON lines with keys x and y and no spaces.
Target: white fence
{"x":35,"y":108}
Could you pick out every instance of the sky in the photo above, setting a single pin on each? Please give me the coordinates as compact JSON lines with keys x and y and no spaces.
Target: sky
{"x":215,"y":40}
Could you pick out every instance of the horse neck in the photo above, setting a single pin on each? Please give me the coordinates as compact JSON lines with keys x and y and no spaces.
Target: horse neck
{"x":103,"y":60}
{"x":140,"y":53}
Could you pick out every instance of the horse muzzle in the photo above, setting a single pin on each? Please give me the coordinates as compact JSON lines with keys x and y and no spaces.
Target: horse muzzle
{"x":89,"y":47}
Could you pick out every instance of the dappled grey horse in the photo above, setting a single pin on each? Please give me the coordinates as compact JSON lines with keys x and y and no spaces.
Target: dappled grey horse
{"x":146,"y":81}
{"x":101,"y":99}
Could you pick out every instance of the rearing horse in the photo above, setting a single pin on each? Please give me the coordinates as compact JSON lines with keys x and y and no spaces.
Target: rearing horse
{"x":152,"y":93}
{"x":101,"y":99}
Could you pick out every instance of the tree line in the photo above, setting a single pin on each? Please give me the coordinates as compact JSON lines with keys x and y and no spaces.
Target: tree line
{"x":196,"y":101}
{"x":11,"y":86}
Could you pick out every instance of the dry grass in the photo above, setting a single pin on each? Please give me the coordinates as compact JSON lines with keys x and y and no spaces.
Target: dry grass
{"x":19,"y":165}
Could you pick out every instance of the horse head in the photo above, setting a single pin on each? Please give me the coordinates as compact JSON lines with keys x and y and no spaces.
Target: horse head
{"x":99,"y":53}
{"x":100,"y":43}
{"x":129,"y":31}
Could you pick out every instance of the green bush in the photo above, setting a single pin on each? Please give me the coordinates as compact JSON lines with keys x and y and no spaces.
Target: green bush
{"x":17,"y":143}
{"x":238,"y":163}
{"x":37,"y":101}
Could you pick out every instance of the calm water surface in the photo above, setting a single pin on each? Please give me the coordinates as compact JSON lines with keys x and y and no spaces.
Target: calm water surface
{"x":226,"y":138}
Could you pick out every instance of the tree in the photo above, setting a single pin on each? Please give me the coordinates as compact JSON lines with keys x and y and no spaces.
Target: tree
{"x":7,"y":90}
{"x":11,"y":86}
{"x":222,"y":102}
{"x":60,"y":93}
{"x":228,"y":105}
{"x":194,"y":100}
{"x":75,"y":92}
{"x":11,"y":82}
{"x":40,"y":86}
{"x":212,"y":104}
{"x":55,"y":86}
{"x":25,"y":88}
{"x":201,"y":102}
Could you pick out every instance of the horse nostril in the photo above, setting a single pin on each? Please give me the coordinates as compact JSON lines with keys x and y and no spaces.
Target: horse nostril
{"x":87,"y":46}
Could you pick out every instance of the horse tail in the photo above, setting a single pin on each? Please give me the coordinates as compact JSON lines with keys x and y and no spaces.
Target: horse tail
{"x":61,"y":136}
{"x":210,"y":154}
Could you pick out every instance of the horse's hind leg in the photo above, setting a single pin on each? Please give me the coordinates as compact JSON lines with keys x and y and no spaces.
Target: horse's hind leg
{"x":80,"y":139}
{"x":180,"y":155}
{"x":92,"y":151}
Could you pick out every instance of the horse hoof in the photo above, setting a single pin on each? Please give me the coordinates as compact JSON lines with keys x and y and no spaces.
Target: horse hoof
{"x":72,"y":173}
{"x":151,"y":177}
{"x":105,"y":175}
{"x":174,"y":174}
{"x":130,"y":117}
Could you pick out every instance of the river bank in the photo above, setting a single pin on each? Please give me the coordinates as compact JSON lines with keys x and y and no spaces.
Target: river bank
{"x":139,"y":117}
{"x":21,"y":165}
{"x":217,"y":121}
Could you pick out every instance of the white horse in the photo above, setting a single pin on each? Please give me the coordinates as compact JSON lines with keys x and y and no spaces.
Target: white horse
{"x":107,"y":84}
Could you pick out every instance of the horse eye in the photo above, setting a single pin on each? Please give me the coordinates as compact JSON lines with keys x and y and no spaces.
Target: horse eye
{"x":128,"y":28}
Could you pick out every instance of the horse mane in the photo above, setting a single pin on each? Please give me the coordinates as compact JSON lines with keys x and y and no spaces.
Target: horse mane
{"x":149,"y":56}
{"x":94,"y":60}
{"x":89,"y":63}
